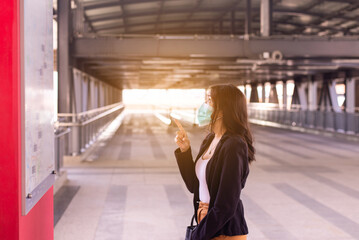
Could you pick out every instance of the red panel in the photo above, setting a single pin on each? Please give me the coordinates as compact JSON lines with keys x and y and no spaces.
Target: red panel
{"x":9,"y":120}
{"x":38,"y":224}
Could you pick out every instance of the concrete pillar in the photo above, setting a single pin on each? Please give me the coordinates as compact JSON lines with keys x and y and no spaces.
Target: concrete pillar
{"x":266,"y":18}
{"x":273,"y":96}
{"x":102,"y":95}
{"x":85,"y":86}
{"x":333,"y":96}
{"x":245,"y":91}
{"x":254,"y":93}
{"x":350,"y":95}
{"x":89,"y":100}
{"x":263,"y":93}
{"x":302,"y":95}
{"x":77,"y":108}
{"x":312,"y":95}
{"x":64,"y":70}
{"x":77,"y":79}
{"x":285,"y":95}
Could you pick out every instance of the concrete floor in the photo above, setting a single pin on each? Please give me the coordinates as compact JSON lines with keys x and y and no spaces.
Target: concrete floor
{"x":301,"y":187}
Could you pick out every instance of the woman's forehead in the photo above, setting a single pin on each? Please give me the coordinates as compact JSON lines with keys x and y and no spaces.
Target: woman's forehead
{"x":208,"y":91}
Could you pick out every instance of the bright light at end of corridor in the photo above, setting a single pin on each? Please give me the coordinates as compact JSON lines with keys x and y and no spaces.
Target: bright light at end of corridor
{"x":150,"y":99}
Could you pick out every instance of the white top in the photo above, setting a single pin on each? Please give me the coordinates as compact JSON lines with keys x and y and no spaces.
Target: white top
{"x":201,"y":166}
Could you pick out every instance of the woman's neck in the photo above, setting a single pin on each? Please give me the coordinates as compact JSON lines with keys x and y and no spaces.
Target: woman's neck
{"x":218,"y":128}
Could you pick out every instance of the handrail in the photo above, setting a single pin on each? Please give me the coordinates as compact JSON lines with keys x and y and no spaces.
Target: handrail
{"x":294,"y":107}
{"x":89,"y":111}
{"x":101,"y":115}
{"x":68,"y":130}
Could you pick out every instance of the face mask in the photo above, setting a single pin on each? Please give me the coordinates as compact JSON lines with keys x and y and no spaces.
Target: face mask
{"x":204,"y":113}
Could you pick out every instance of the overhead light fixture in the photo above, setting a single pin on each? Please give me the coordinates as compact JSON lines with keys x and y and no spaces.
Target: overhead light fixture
{"x":166,"y":62}
{"x":234,"y":67}
{"x":188,"y":71}
{"x":129,"y":73}
{"x":154,"y":72}
{"x":266,"y":55}
{"x":204,"y":62}
{"x":223,"y":72}
{"x":204,"y":75}
{"x":246,"y":61}
{"x":181,"y":75}
{"x":198,"y":55}
{"x":345,"y":60}
{"x":335,"y":67}
{"x":146,"y":67}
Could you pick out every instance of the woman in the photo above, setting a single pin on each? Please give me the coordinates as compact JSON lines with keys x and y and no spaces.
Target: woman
{"x":221,"y":167}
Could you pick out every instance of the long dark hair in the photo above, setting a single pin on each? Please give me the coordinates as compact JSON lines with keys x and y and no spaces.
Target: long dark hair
{"x":232,"y":102}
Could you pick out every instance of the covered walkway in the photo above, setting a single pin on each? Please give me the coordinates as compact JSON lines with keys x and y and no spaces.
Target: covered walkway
{"x":130,"y":187}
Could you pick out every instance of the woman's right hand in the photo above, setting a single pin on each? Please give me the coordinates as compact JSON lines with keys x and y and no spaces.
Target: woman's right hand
{"x":181,"y":138}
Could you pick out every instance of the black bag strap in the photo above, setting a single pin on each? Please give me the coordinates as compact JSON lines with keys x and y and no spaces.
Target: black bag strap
{"x":193,"y":219}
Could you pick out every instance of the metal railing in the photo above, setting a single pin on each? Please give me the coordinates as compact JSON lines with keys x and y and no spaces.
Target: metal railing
{"x":86,"y":126}
{"x":322,"y":119}
{"x":61,"y":134}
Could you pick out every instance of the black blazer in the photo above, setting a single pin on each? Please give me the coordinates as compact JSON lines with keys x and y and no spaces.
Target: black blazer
{"x":226,"y":174}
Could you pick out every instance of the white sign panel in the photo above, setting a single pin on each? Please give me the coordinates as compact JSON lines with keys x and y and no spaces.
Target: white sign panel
{"x":37,"y":101}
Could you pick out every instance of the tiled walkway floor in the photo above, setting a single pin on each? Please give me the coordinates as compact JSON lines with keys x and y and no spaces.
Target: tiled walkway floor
{"x":301,"y":187}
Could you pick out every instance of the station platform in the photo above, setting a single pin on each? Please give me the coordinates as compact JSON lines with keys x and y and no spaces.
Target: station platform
{"x":130,"y":187}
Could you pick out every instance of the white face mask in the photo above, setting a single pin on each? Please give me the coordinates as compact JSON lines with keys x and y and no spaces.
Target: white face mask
{"x":204,"y":113}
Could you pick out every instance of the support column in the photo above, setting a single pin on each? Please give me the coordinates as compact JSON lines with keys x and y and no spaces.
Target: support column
{"x":302,"y":95}
{"x":312,"y":101}
{"x":266,"y":17}
{"x":299,"y":95}
{"x":77,"y":108}
{"x":312,"y":95}
{"x":273,"y":96}
{"x":333,"y":96}
{"x":350,"y":95}
{"x":64,"y":88}
{"x":254,"y":93}
{"x":285,"y":95}
{"x":264,"y":92}
{"x":245,"y":90}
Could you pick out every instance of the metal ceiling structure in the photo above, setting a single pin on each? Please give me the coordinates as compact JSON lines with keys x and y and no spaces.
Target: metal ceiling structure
{"x":194,"y":43}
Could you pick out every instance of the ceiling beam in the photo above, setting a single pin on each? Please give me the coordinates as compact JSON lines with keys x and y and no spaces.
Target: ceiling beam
{"x":112,"y":16}
{"x":121,"y":26}
{"x":221,"y":47}
{"x":111,"y":3}
{"x":105,"y":17}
